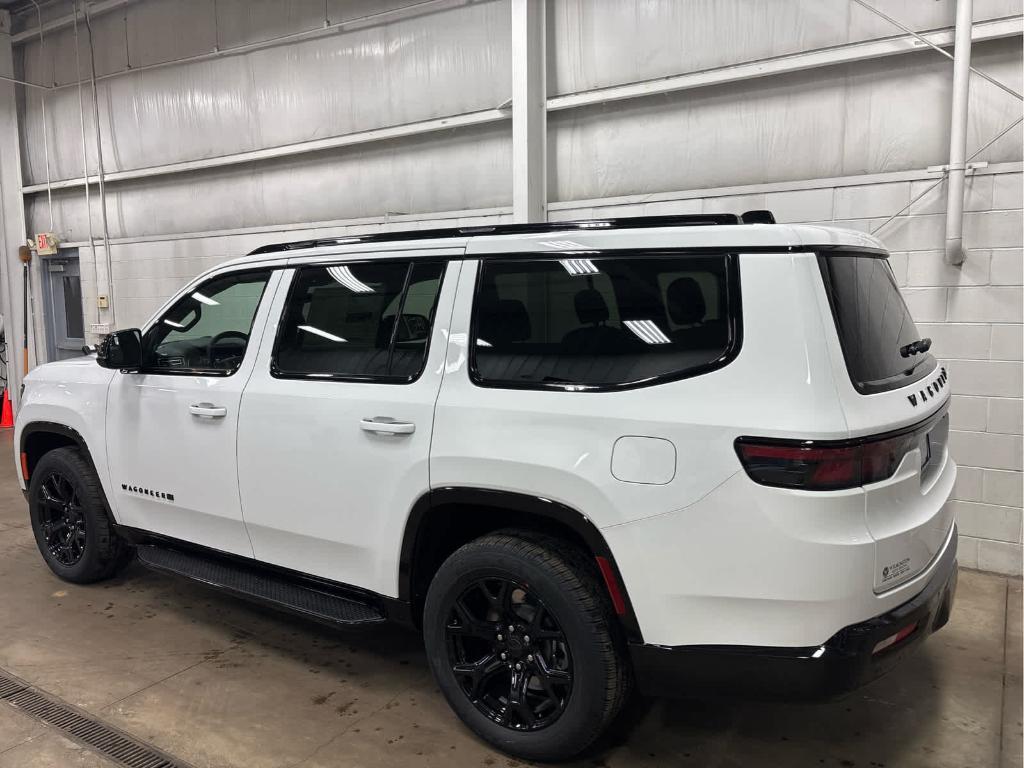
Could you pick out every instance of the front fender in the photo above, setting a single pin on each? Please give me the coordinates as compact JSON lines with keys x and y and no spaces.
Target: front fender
{"x":71,"y":394}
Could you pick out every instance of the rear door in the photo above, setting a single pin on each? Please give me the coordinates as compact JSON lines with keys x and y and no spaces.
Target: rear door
{"x":335,"y":427}
{"x":890,"y":385}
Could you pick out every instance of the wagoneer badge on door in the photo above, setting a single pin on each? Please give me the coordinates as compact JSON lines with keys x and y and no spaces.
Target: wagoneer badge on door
{"x":147,"y":492}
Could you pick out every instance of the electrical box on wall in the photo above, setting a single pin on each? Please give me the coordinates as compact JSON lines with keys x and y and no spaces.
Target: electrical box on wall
{"x":46,"y":243}
{"x":101,"y":302}
{"x":100,"y":329}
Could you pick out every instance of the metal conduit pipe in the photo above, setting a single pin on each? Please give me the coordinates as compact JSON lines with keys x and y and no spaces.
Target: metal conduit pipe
{"x":42,"y":102}
{"x":85,"y":169}
{"x":958,"y":132}
{"x":99,"y":169}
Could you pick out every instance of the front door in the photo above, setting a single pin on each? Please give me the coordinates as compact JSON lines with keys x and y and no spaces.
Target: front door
{"x":62,"y":296}
{"x":171,"y":427}
{"x":334,"y":435}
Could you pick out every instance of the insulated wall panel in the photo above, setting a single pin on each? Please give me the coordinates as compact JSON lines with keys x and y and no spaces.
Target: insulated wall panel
{"x":430,"y":65}
{"x":595,"y":44}
{"x":870,"y":117}
{"x":438,"y":172}
{"x":240,"y":22}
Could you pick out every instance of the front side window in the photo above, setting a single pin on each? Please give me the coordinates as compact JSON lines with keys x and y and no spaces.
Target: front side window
{"x":603,"y":322}
{"x":206,"y":330}
{"x":367,"y":321}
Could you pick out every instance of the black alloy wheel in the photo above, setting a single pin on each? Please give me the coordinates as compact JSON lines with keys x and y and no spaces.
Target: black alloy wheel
{"x":525,"y":645}
{"x":72,"y":527}
{"x":509,"y":655}
{"x":61,"y":518}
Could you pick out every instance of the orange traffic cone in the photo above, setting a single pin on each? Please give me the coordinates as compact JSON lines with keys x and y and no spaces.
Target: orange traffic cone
{"x":6,"y":414}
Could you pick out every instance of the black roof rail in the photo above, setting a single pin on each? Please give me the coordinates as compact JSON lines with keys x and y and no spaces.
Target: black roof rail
{"x":636,"y":222}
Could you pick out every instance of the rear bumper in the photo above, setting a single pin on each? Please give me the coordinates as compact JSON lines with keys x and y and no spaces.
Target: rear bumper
{"x":844,"y":662}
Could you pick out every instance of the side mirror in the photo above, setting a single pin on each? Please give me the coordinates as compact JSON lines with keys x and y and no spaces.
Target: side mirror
{"x":121,"y":350}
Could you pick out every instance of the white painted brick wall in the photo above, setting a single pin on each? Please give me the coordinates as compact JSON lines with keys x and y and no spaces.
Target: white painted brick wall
{"x":973,"y":315}
{"x":1007,"y":342}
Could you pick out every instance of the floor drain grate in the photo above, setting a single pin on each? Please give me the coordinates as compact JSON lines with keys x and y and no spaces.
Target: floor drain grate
{"x":10,"y":685}
{"x":104,"y":739}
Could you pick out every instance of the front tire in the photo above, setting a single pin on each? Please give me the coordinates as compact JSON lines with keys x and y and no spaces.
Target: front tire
{"x":524,"y":646}
{"x":69,"y":519}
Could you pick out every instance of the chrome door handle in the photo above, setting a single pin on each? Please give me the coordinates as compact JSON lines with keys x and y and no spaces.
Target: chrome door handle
{"x":384,"y":426}
{"x":207,"y":411}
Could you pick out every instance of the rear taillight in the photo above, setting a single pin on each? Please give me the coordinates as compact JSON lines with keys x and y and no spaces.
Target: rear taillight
{"x":822,"y":466}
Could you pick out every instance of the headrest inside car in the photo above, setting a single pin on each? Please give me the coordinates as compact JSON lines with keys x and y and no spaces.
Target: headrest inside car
{"x":504,"y":321}
{"x":591,"y":306}
{"x":685,"y":301}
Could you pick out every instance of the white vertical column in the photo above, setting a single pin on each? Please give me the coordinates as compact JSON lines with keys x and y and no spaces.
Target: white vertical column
{"x":12,"y":214}
{"x":958,"y":133}
{"x":529,"y":111}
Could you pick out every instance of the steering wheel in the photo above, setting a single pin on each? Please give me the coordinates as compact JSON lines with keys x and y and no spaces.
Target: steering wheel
{"x":218,"y":338}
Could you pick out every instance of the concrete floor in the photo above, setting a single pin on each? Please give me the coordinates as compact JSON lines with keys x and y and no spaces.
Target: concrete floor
{"x":218,"y":682}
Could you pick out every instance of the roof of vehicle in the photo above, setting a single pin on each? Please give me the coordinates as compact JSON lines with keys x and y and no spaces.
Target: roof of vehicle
{"x":710,"y":231}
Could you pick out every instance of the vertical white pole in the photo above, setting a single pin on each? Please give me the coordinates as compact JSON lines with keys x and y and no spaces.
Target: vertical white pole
{"x":12,"y":214}
{"x":529,"y":111}
{"x":958,"y":133}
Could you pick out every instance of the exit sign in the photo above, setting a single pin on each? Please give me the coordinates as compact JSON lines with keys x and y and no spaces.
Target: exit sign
{"x":46,"y":243}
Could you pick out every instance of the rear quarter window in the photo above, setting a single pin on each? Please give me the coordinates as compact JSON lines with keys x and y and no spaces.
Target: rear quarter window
{"x":603,"y":322}
{"x":873,"y":322}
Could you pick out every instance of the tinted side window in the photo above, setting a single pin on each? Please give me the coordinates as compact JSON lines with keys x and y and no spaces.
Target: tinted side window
{"x":359,"y":321}
{"x":207,"y":330}
{"x":603,"y":321}
{"x":873,"y":323}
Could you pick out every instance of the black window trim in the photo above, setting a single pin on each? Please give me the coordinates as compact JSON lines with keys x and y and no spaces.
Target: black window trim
{"x":890,"y":383}
{"x":733,"y":306}
{"x":219,"y":373}
{"x":277,"y":373}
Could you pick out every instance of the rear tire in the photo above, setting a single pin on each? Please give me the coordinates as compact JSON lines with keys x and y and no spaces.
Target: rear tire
{"x":572,"y":679}
{"x":69,"y":518}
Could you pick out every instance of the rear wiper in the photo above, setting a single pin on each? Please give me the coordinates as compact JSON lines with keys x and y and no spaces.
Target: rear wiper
{"x":921,"y":345}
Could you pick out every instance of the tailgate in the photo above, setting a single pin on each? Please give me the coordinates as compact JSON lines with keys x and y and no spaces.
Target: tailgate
{"x":907,"y":514}
{"x":891,"y":389}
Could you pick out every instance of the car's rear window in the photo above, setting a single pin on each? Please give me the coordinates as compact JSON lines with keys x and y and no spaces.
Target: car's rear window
{"x":873,"y":323}
{"x":597,"y":322}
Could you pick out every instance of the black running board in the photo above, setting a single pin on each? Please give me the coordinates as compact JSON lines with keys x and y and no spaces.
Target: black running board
{"x":250,"y":583}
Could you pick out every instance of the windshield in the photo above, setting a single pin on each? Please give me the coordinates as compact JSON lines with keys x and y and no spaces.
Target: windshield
{"x":873,"y":323}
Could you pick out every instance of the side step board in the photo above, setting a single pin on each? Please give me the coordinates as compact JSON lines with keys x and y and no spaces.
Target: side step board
{"x":310,"y":600}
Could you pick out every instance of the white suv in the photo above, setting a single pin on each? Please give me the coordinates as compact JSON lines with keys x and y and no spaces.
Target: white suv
{"x":690,"y":454}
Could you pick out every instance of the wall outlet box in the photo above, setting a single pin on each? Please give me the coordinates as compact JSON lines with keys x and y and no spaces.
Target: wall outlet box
{"x":102,"y":303}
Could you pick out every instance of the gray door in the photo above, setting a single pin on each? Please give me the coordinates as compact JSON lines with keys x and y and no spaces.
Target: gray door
{"x":65,"y":322}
